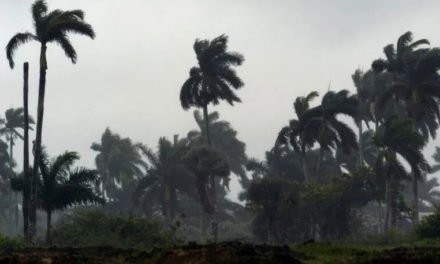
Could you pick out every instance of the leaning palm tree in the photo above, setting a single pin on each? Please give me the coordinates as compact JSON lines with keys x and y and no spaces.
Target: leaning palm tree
{"x":61,"y":187}
{"x":296,"y":134}
{"x":166,"y":176}
{"x":331,"y":133}
{"x":214,"y":79}
{"x":50,"y":27}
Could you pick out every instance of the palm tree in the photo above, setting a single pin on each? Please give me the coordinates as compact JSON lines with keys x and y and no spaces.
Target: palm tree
{"x":296,"y":134}
{"x":364,"y":89}
{"x":60,"y":187}
{"x":206,"y":164}
{"x":214,"y":79}
{"x":416,"y":87}
{"x":118,"y":162}
{"x":14,"y":119}
{"x":224,"y":139}
{"x":330,"y":132}
{"x":166,"y":176}
{"x":396,"y":138}
{"x":50,"y":27}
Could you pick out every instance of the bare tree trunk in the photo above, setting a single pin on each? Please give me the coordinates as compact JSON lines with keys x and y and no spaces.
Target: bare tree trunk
{"x":37,"y":154}
{"x":26,"y":188}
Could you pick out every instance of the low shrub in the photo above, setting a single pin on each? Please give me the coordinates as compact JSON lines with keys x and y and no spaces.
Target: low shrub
{"x":91,"y":228}
{"x":429,"y":228}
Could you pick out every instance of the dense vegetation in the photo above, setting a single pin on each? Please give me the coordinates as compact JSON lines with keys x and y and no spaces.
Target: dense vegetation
{"x":346,"y":167}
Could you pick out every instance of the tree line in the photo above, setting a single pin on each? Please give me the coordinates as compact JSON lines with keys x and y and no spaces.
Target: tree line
{"x":320,"y":180}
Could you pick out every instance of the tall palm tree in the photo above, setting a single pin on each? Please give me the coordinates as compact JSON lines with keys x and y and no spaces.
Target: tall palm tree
{"x":396,"y":138}
{"x":166,"y":176}
{"x":296,"y":134}
{"x":60,"y":186}
{"x":213,"y":79}
{"x":416,"y":86}
{"x":50,"y":27}
{"x":224,"y":139}
{"x":118,"y":162}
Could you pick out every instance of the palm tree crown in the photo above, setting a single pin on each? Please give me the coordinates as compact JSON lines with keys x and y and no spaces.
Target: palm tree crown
{"x":214,"y":79}
{"x":51,"y":27}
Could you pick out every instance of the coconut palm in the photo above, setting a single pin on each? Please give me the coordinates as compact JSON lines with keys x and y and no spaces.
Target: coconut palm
{"x":118,"y":162}
{"x":166,"y":176}
{"x":60,"y":186}
{"x":50,"y":27}
{"x":213,"y":79}
{"x":224,"y":139}
{"x":296,"y":135}
{"x":396,"y":138}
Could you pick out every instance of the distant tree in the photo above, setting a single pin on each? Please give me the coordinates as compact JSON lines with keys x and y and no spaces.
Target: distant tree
{"x":266,"y":197}
{"x":61,"y":187}
{"x":224,"y":139}
{"x":369,"y":153}
{"x":118,"y":162}
{"x":50,"y":27}
{"x":165,"y":177}
{"x":206,"y":164}
{"x":14,"y":119}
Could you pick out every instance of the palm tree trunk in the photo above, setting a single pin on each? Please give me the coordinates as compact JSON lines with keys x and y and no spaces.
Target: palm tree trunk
{"x":304,"y":166}
{"x":206,"y":118}
{"x":26,"y":154}
{"x":318,"y":165}
{"x":11,"y":165}
{"x":37,"y":154}
{"x":49,"y":228}
{"x":415,"y":216}
{"x":361,"y":145}
{"x":388,"y":205}
{"x":208,"y":141}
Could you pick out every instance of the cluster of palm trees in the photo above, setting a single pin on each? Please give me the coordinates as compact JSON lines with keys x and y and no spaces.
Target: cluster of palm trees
{"x":400,"y":96}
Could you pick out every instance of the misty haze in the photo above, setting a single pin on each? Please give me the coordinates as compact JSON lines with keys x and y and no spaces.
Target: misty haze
{"x":234,"y":131}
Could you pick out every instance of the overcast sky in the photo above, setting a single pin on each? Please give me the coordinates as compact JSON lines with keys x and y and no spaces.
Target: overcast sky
{"x":129,"y":77}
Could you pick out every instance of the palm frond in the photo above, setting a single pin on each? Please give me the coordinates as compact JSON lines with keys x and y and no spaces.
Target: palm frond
{"x":16,"y":41}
